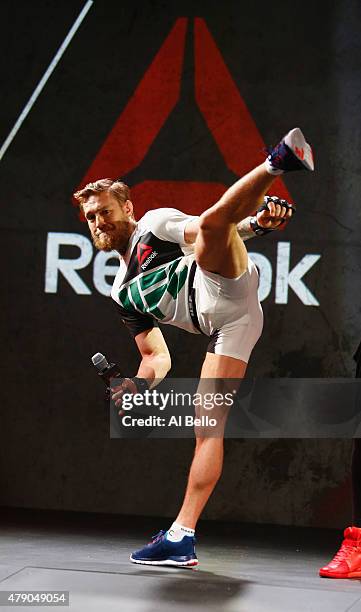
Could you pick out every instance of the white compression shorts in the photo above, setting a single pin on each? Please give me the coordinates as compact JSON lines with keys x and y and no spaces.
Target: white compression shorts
{"x":229,"y":311}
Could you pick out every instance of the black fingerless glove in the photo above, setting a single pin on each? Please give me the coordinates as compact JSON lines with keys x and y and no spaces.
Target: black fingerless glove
{"x":141,"y":384}
{"x":261,"y":231}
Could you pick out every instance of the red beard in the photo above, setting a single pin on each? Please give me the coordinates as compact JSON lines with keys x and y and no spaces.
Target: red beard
{"x":113,"y":237}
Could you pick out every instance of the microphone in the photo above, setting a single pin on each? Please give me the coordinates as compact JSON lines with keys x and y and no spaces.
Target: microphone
{"x":106,"y":370}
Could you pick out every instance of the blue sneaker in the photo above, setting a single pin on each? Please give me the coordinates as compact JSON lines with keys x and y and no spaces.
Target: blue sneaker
{"x":292,"y":153}
{"x":161,"y":551}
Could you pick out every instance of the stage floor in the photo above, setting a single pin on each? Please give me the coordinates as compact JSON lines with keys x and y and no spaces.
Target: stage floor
{"x":243,"y":568}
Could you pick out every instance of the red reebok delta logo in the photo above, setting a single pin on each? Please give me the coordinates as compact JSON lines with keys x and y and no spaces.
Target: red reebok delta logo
{"x":155,"y":97}
{"x":143,"y":251}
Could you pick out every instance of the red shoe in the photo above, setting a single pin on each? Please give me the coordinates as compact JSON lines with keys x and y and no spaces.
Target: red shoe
{"x":347,"y":561}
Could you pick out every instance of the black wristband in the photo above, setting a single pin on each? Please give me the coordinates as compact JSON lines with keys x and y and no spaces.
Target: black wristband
{"x":258,"y":230}
{"x":141,"y":384}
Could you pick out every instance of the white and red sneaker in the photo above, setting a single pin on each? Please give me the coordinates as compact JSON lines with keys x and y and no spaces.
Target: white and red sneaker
{"x":347,"y":561}
{"x":292,"y":153}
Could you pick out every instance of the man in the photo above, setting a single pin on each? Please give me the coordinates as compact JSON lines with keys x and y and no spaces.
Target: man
{"x":195,"y":273}
{"x":347,"y":561}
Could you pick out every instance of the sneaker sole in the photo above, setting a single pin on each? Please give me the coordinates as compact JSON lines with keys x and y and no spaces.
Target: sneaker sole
{"x":340,"y":576}
{"x":296,"y":141}
{"x":191,"y":563}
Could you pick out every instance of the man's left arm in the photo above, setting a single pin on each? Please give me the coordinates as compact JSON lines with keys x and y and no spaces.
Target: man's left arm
{"x":269,"y":217}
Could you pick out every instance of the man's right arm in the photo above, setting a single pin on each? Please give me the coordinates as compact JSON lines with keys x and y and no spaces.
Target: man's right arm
{"x":154,"y":366}
{"x":156,"y":361}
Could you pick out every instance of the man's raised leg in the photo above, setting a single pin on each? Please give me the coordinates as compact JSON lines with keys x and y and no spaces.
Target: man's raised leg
{"x":218,"y":246}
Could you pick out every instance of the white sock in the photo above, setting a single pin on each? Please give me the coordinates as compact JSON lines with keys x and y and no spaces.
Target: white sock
{"x":270,"y":169}
{"x":177,"y":532}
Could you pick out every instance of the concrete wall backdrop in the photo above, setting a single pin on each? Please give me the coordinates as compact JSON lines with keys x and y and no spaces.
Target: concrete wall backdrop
{"x":292,"y":64}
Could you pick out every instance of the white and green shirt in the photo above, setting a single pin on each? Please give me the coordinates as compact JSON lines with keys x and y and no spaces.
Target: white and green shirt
{"x":152,"y":281}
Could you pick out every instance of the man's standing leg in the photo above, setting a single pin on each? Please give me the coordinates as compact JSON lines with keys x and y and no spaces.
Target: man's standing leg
{"x":207,"y":463}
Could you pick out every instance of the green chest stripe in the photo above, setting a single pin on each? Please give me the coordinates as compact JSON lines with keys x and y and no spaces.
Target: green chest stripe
{"x":152,"y":278}
{"x":153,"y":298}
{"x":165,"y":273}
{"x":177,"y":281}
{"x":136,"y":296}
{"x":139,"y":291}
{"x":124,"y":299}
